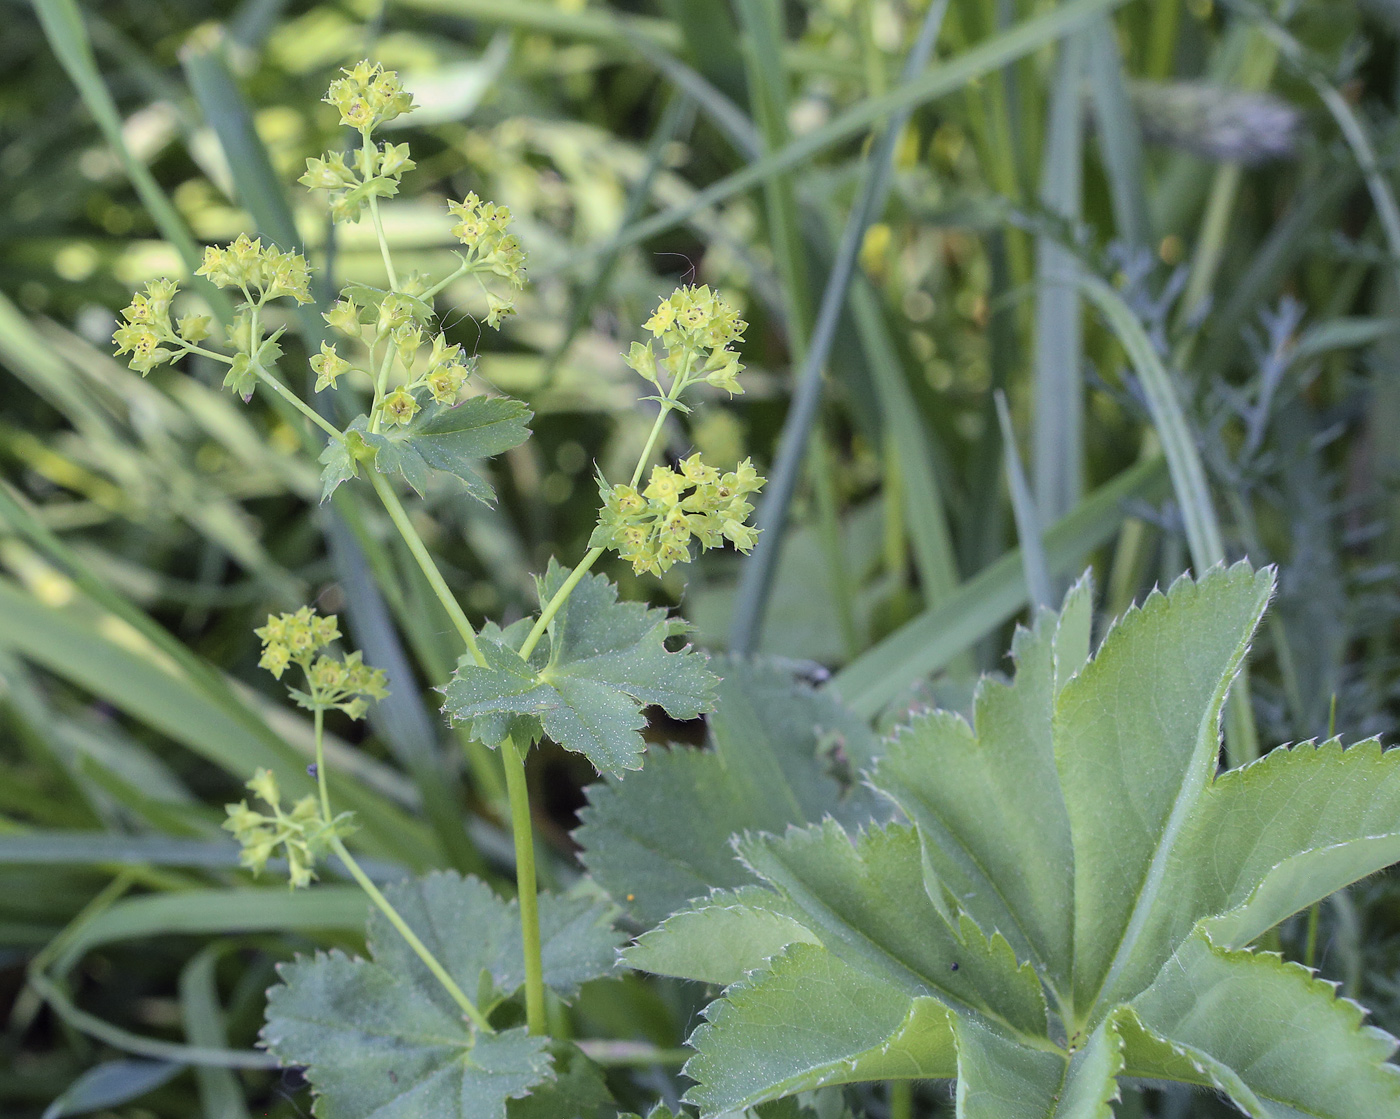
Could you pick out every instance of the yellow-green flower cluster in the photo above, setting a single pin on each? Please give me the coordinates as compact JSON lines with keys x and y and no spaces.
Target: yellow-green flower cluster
{"x":376,"y":173}
{"x":331,"y":683}
{"x":484,"y":228}
{"x":303,"y":834}
{"x":368,"y":95}
{"x":653,"y":528}
{"x":147,"y":326}
{"x":262,"y":273}
{"x":696,"y":327}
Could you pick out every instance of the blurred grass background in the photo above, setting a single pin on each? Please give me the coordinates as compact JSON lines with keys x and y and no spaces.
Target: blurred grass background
{"x":1166,"y":233}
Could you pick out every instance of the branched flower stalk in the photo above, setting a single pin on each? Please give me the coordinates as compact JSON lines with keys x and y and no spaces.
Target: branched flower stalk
{"x":419,"y":386}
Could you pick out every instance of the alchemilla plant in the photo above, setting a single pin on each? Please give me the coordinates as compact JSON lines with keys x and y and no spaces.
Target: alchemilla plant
{"x":1057,"y":895}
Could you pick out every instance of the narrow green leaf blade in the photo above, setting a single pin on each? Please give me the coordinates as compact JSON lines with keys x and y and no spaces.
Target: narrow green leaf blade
{"x":111,"y":1084}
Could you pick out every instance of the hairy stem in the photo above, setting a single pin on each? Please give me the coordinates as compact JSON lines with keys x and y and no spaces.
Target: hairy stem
{"x":383,"y":243}
{"x":462,"y":270}
{"x":420,"y":949}
{"x":518,"y":791}
{"x":426,"y":564}
{"x":297,"y":402}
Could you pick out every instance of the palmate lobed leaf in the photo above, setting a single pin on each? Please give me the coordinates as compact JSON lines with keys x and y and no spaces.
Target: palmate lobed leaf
{"x":777,"y":745}
{"x":450,"y":438}
{"x":383,"y":1040}
{"x":1171,"y":872}
{"x":586,"y":684}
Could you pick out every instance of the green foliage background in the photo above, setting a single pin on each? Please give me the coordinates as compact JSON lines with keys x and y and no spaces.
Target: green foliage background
{"x":1219,"y":179}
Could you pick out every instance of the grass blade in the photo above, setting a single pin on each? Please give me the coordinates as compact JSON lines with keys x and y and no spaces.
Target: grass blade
{"x":156,"y":691}
{"x":1119,"y":138}
{"x":756,"y":581}
{"x":220,"y":1096}
{"x":1033,"y":563}
{"x":1025,"y":38}
{"x":111,"y":1084}
{"x":62,"y":21}
{"x":1188,"y":482}
{"x":923,"y":500}
{"x":1057,"y":434}
{"x":991,"y":597}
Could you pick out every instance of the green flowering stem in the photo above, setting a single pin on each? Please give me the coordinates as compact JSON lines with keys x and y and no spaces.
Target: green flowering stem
{"x":527,"y":889}
{"x":561,"y":596}
{"x":381,"y":383}
{"x":462,"y":270}
{"x":383,"y":243}
{"x":399,"y":516}
{"x":420,"y":949}
{"x":292,"y":398}
{"x":517,"y":789}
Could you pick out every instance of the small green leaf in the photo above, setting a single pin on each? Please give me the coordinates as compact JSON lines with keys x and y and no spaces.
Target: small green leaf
{"x":385,"y":1038}
{"x":451,"y":439}
{"x":577,"y":943}
{"x":338,"y":465}
{"x":606,"y":659}
{"x":777,"y":748}
{"x":374,"y":1045}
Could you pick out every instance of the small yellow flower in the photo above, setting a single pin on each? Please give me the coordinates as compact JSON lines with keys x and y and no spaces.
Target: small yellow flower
{"x":328,"y":365}
{"x":400,"y":407}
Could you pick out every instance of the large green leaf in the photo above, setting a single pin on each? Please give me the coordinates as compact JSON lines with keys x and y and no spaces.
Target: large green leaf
{"x":1137,"y":738}
{"x":998,"y":834}
{"x":1265,"y":1031}
{"x":1271,"y":838}
{"x":384,"y":1039}
{"x":1085,"y":800}
{"x":853,"y":1026}
{"x":604,"y":661}
{"x":867,"y":903}
{"x":777,"y":747}
{"x":999,"y":1078}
